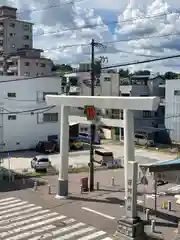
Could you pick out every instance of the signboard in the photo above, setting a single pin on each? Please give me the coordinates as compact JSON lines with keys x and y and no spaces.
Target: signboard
{"x":90,"y":112}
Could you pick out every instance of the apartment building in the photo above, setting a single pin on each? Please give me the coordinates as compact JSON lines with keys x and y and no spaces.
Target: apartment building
{"x":148,"y":124}
{"x":17,"y":55}
{"x":172,"y":109}
{"x":25,"y":118}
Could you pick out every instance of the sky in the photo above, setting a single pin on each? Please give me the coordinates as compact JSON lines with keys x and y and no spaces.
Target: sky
{"x":130,"y":30}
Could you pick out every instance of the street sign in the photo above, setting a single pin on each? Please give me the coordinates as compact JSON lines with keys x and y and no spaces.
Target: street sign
{"x":90,"y":112}
{"x":144,"y":180}
{"x":144,"y":169}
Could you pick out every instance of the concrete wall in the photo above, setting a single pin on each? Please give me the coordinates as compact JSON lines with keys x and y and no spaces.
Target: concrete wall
{"x":27,"y":129}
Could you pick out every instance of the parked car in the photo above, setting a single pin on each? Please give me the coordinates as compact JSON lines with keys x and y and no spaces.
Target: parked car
{"x":85,"y":137}
{"x":47,"y":146}
{"x":40,"y":163}
{"x":75,"y":143}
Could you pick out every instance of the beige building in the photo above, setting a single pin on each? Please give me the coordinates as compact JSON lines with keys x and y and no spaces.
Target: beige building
{"x":17,"y":56}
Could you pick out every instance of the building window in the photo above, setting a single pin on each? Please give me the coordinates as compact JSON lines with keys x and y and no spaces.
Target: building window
{"x":27,"y":74}
{"x":12,"y":117}
{"x":1,"y":33}
{"x":1,"y":24}
{"x":50,"y":117}
{"x":43,"y":65}
{"x":49,"y":93}
{"x":37,"y":64}
{"x":26,"y":46}
{"x":1,"y":42}
{"x":107,"y":79}
{"x":26,"y":64}
{"x":12,"y":25}
{"x":26,"y":27}
{"x":13,"y":45}
{"x":12,"y":34}
{"x":121,"y":114}
{"x":176,"y":92}
{"x":26,"y":37}
{"x":146,"y":114}
{"x":11,"y":95}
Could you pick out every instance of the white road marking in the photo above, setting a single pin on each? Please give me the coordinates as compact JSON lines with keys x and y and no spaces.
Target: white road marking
{"x":27,"y":221}
{"x":20,"y":220}
{"x":16,"y":208}
{"x":98,"y":213}
{"x":19,"y":213}
{"x":27,"y":227}
{"x":68,"y":221}
{"x":33,"y":232}
{"x":6,"y":199}
{"x":75,"y":234}
{"x":174,"y":188}
{"x":22,"y":217}
{"x":93,"y":235}
{"x":10,"y":202}
{"x":59,"y":231}
{"x":13,"y":205}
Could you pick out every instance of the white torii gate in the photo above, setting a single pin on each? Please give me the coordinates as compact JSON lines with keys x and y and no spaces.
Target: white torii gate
{"x":128,"y":104}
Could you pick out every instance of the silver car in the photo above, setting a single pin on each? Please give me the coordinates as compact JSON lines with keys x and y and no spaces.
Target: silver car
{"x":40,"y":163}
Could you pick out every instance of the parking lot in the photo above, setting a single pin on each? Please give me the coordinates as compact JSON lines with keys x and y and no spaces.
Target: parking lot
{"x":21,"y":160}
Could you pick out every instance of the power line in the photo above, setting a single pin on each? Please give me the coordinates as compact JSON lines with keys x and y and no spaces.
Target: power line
{"x":140,"y":62}
{"x":27,"y":110}
{"x":104,"y":23}
{"x":51,"y":6}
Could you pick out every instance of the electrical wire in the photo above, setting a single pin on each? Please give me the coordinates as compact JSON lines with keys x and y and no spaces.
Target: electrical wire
{"x":27,"y":110}
{"x":141,"y":62}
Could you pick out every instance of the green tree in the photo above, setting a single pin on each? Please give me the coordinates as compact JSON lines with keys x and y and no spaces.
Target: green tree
{"x":170,"y":75}
{"x":123,"y":73}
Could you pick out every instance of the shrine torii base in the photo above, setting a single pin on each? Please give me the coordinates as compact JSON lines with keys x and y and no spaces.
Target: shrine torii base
{"x":131,"y":226}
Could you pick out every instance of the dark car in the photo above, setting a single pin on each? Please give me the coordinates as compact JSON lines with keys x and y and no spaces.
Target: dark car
{"x":47,"y":147}
{"x":75,"y":143}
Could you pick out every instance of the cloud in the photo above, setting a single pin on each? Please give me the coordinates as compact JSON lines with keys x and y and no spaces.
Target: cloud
{"x":50,"y":25}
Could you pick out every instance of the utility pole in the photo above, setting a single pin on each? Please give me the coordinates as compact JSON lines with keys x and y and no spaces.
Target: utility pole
{"x":92,"y":134}
{"x":93,"y":126}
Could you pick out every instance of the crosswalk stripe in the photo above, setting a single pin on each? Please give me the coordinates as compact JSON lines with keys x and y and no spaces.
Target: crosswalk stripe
{"x":75,"y":234}
{"x":30,"y":220}
{"x":22,"y":217}
{"x":20,"y":212}
{"x":6,"y":199}
{"x":93,"y":235}
{"x":10,"y":202}
{"x":16,"y":208}
{"x":59,"y":231}
{"x":21,"y":220}
{"x":28,"y":227}
{"x":33,"y":232}
{"x":13,"y":205}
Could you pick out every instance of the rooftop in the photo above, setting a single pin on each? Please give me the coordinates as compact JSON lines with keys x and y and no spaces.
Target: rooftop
{"x":7,"y":7}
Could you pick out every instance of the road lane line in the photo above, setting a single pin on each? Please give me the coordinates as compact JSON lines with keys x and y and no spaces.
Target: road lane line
{"x":98,"y":213}
{"x":75,"y":234}
{"x":93,"y":235}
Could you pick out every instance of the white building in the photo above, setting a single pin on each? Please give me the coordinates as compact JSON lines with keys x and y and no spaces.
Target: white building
{"x":24,"y":116}
{"x":16,"y":39}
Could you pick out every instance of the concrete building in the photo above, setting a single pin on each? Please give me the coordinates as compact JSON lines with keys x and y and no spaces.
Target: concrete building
{"x":24,"y":116}
{"x":148,"y":124}
{"x":172,"y":109}
{"x":17,"y":55}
